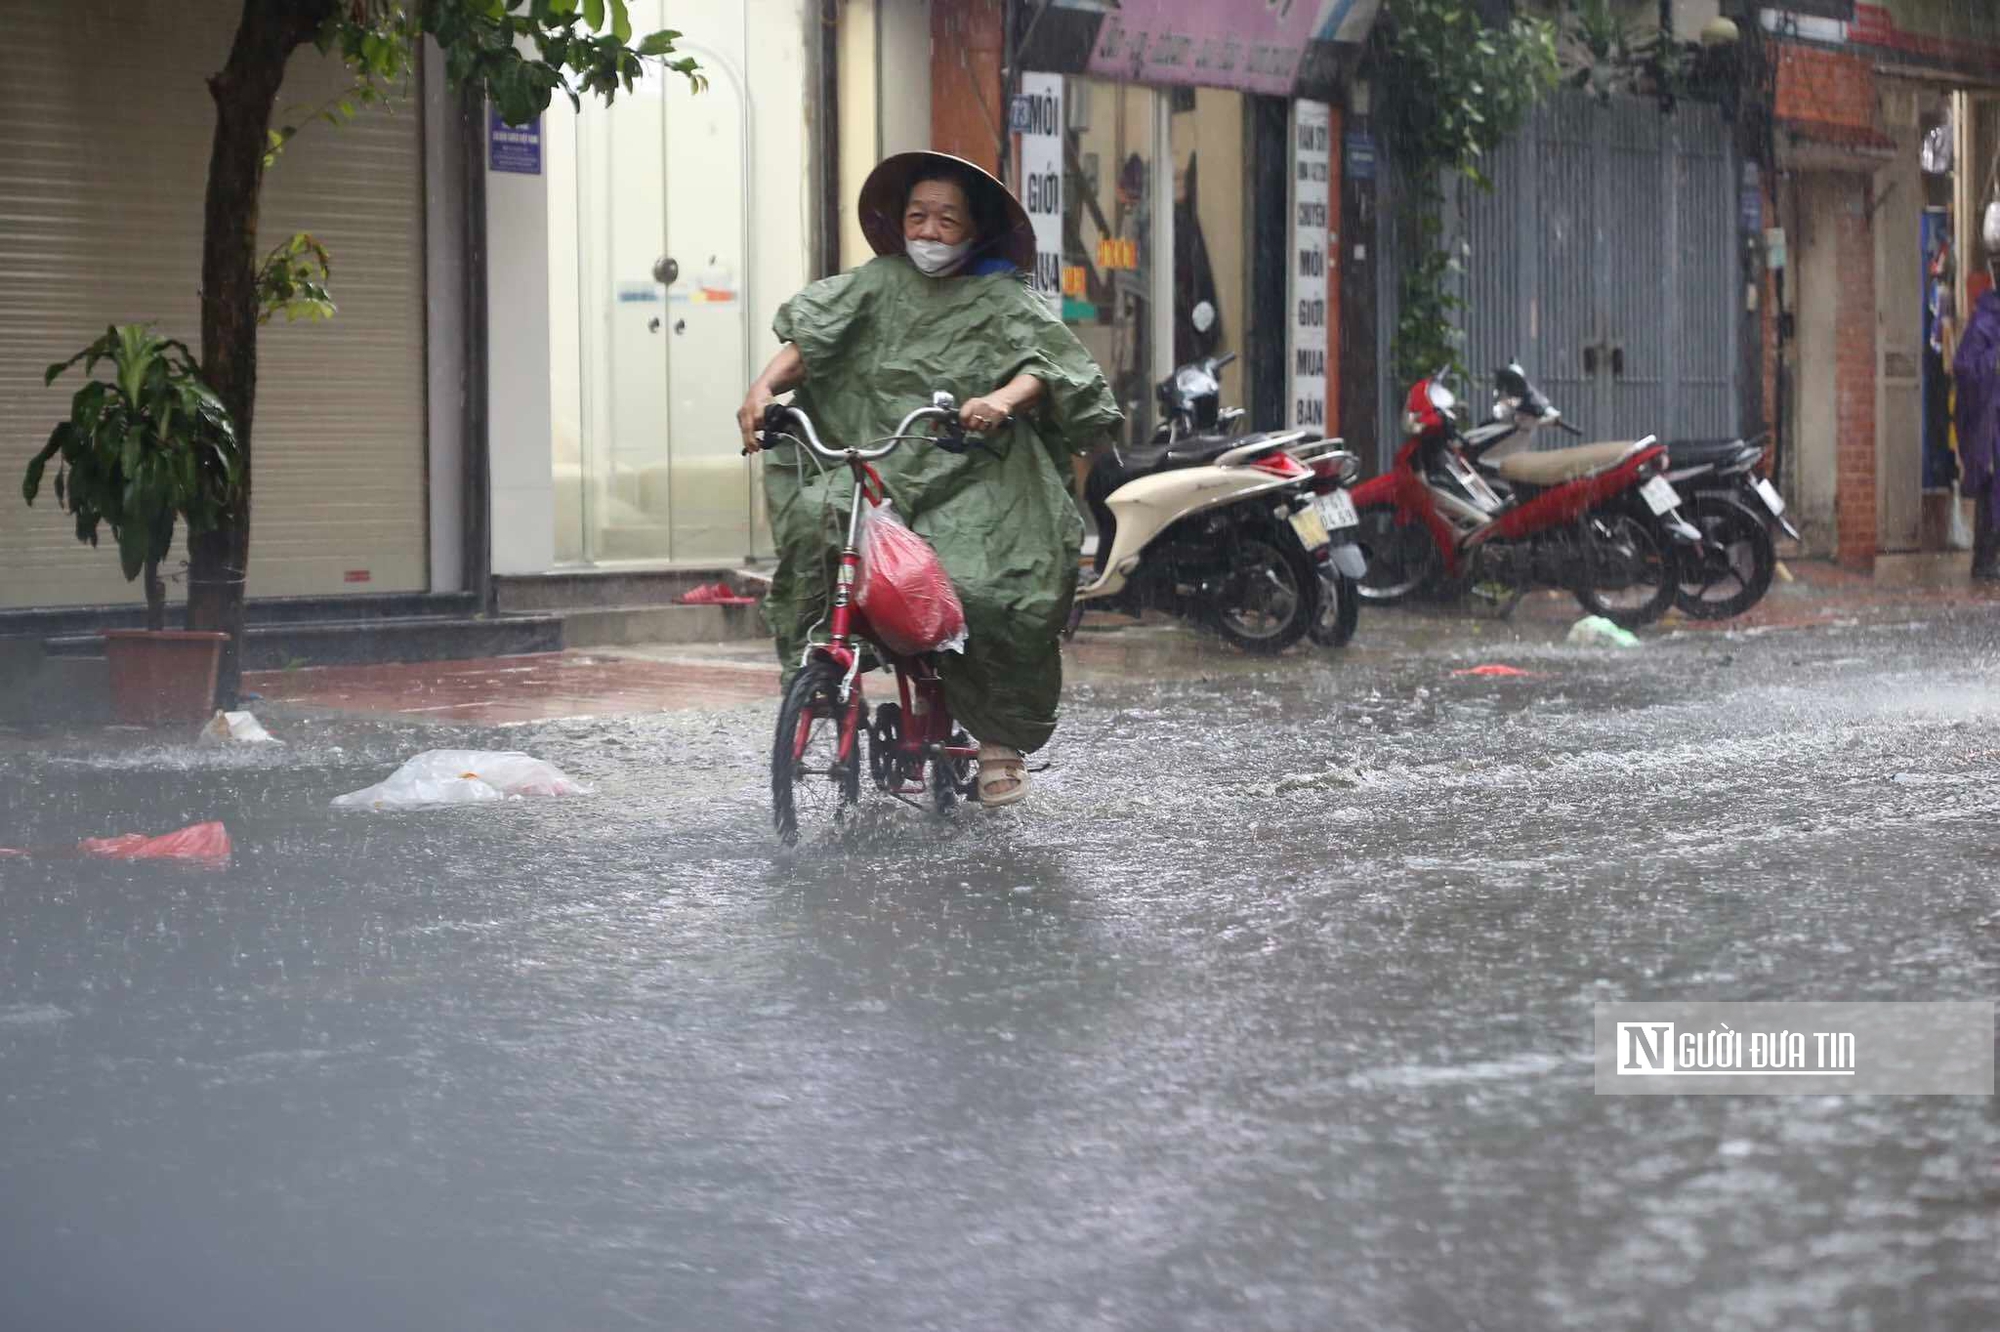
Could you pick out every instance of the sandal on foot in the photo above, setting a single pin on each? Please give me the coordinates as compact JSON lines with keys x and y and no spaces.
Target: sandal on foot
{"x":999,"y":765}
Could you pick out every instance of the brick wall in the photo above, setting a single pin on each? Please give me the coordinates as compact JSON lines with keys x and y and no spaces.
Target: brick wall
{"x":1830,"y":98}
{"x":1826,"y":88}
{"x":1854,"y":377}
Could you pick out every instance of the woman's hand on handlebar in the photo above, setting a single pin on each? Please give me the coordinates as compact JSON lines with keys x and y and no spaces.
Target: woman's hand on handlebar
{"x":982,"y":414}
{"x":992,"y":410}
{"x":750,"y":416}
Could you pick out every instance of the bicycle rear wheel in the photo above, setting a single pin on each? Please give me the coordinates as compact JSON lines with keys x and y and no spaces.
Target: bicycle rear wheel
{"x":813,"y":785}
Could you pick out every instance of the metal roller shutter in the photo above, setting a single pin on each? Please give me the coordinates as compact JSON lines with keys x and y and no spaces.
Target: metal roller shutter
{"x":102,"y":172}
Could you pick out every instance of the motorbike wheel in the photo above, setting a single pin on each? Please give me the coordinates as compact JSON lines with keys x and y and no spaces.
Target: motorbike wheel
{"x":1271,"y":596}
{"x":1631,"y":569}
{"x":811,"y":789}
{"x":1402,"y":559}
{"x":1339,"y":611}
{"x":1733,"y":572}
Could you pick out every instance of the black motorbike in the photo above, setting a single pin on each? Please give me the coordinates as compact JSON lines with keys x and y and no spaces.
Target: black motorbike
{"x":1735,"y":509}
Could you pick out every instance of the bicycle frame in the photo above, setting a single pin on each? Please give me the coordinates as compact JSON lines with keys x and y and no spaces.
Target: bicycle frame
{"x":927,"y":723}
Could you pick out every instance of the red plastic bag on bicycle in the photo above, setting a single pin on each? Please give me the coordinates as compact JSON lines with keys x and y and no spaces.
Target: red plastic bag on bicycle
{"x":903,"y":589}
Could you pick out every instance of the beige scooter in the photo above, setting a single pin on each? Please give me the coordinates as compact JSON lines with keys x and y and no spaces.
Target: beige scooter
{"x":1209,"y":538}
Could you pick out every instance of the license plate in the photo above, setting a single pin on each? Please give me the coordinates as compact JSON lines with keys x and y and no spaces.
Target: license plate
{"x":1311,"y":532}
{"x":1660,"y":495}
{"x":1772,"y":499}
{"x":1336,"y":511}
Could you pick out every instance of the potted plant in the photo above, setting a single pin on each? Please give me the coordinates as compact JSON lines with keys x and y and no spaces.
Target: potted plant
{"x":142,"y":450}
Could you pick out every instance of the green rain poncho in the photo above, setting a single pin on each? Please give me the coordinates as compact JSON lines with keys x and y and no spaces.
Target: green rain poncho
{"x":877,"y":342}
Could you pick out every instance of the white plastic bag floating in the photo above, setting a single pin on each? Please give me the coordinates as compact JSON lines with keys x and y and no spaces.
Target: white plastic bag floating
{"x":1596,"y":631}
{"x":236,"y":728}
{"x":463,"y":777}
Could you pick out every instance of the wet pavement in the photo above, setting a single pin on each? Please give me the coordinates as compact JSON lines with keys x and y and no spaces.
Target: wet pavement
{"x":1270,"y":1010}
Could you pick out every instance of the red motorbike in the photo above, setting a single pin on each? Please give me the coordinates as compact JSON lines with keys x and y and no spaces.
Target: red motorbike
{"x":1598,"y":520}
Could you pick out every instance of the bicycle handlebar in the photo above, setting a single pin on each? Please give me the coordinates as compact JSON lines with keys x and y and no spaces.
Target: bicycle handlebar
{"x":942,"y":408}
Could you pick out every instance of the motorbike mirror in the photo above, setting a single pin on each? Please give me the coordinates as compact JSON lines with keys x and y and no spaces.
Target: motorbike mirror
{"x":1511,"y":380}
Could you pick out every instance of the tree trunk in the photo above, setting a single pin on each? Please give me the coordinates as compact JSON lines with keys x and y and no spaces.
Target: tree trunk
{"x":244,"y":92}
{"x":156,"y":597}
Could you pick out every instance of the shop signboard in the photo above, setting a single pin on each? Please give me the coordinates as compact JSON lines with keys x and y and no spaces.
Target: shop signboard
{"x":1039,"y":121}
{"x":1276,"y":47}
{"x":1253,"y":45}
{"x":1312,"y":210}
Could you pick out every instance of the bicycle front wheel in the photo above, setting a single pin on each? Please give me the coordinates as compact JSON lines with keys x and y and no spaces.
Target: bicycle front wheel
{"x":815,"y":779}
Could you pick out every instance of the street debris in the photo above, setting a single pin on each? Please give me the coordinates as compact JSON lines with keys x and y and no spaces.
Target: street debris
{"x":718,"y":593}
{"x":236,"y":728}
{"x":1496,"y":669}
{"x":1596,"y":631}
{"x":201,"y":843}
{"x":463,"y":777}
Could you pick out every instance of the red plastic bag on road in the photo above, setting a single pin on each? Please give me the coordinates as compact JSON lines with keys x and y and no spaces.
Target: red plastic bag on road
{"x":205,"y":843}
{"x":903,"y":589}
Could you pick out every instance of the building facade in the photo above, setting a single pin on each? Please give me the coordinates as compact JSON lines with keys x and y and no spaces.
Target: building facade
{"x":358,"y":437}
{"x":543,"y":331}
{"x":1885,"y":149}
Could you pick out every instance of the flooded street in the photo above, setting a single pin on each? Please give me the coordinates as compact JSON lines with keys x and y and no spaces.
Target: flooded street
{"x":1271,"y":1009}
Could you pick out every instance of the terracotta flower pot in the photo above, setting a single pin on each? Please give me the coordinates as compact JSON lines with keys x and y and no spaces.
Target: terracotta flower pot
{"x":163,"y":675}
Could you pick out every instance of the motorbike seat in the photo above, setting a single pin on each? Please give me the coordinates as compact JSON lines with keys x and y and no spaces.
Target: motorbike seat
{"x":1129,"y":464}
{"x":1705,"y":452}
{"x":1552,"y":467}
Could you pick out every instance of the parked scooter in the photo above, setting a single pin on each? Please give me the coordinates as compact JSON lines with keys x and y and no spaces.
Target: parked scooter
{"x":1599,"y":519}
{"x":1731,"y":570}
{"x":1205,"y":525}
{"x":1735,"y":510}
{"x":1734,"y":473}
{"x":1321,"y":512}
{"x":1342,"y":560}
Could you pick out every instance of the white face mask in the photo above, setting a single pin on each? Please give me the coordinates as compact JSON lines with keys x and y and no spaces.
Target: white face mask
{"x":935,"y":258}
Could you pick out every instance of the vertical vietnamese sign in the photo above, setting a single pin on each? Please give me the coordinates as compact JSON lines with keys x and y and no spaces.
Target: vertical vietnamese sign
{"x":1039,"y":119}
{"x":1311,"y":224}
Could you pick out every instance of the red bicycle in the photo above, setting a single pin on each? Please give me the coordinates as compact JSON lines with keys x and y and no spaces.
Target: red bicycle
{"x":913,"y":747}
